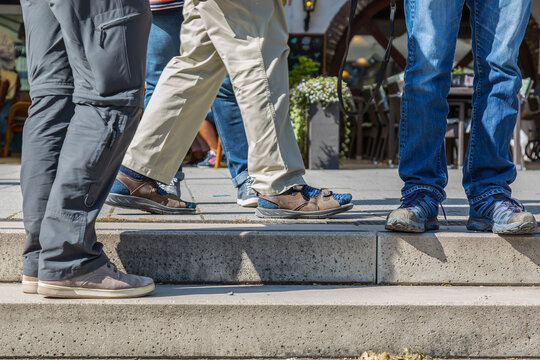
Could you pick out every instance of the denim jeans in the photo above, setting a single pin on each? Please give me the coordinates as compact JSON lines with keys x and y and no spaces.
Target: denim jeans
{"x":163,"y":45}
{"x":231,"y":132}
{"x":498,"y":27}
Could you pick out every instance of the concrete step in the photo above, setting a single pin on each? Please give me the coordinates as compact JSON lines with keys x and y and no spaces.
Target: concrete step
{"x":303,"y":253}
{"x":225,"y":253}
{"x":204,"y":321}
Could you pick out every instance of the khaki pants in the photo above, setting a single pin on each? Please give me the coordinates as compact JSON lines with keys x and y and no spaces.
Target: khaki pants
{"x":247,"y":39}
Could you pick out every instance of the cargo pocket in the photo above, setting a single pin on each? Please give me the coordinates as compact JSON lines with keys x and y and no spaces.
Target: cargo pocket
{"x":100,"y":159}
{"x":117,"y":53}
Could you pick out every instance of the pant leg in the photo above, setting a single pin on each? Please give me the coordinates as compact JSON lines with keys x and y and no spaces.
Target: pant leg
{"x":498,"y":30}
{"x":163,"y":45}
{"x":106,"y":43}
{"x":182,"y":98}
{"x":230,"y":127}
{"x":47,"y":122}
{"x":432,"y":28}
{"x":251,"y":37}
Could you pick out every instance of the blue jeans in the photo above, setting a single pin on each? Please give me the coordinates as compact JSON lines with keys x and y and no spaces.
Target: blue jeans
{"x":231,"y":132}
{"x":498,"y":27}
{"x":163,"y":45}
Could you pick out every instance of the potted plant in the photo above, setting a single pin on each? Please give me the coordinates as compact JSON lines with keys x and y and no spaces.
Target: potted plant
{"x":315,"y":116}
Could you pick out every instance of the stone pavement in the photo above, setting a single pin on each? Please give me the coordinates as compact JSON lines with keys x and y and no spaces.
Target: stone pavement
{"x":376,"y":191}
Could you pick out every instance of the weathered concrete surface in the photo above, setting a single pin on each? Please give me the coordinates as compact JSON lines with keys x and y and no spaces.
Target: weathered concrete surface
{"x":458,"y":258}
{"x":215,"y":253}
{"x":275,"y":321}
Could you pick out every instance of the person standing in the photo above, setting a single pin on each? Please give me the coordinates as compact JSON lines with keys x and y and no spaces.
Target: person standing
{"x":86,"y":73}
{"x":498,"y":28}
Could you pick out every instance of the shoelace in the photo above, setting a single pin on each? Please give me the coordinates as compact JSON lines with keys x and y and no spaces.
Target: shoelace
{"x":514,"y":204}
{"x":410,"y":201}
{"x":507,"y":208}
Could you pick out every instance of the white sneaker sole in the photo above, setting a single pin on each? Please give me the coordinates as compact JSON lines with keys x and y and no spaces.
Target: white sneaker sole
{"x":252,"y":202}
{"x":29,"y":287}
{"x":67,"y":292}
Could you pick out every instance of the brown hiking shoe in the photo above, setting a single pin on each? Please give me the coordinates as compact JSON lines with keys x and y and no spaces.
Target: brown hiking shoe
{"x":303,"y":201}
{"x":146,"y":195}
{"x":29,"y":284}
{"x":105,"y":282}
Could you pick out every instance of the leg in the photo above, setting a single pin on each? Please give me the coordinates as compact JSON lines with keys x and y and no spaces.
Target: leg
{"x":47,"y":122}
{"x":257,"y":63}
{"x":231,"y":131}
{"x":209,"y":135}
{"x":498,"y":29}
{"x":182,"y":98}
{"x":108,"y":68}
{"x":432,"y":27}
{"x":163,"y":45}
{"x":230,"y":127}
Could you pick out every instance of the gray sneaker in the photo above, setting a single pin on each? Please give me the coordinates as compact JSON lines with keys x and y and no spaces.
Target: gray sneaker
{"x":29,"y":284}
{"x":105,"y":282}
{"x":246,"y":197}
{"x":172,"y":188}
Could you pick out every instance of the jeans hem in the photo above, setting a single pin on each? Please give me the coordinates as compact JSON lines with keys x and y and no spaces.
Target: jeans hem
{"x":441,"y":196}
{"x":239,"y":179}
{"x":488,"y":193}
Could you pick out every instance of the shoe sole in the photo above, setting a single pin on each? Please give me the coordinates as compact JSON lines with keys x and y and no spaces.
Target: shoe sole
{"x":139,"y":203}
{"x":30,"y":287}
{"x":66,"y":292}
{"x":248,"y":202}
{"x":524,"y":228}
{"x":293,"y":214}
{"x":399,"y":225}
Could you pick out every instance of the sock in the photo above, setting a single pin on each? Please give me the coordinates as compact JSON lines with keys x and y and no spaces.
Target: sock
{"x":132,"y":174}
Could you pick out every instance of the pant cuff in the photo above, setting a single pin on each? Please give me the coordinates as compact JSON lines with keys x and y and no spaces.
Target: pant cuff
{"x":239,"y":179}
{"x":440,"y":195}
{"x":71,"y":272}
{"x":488,"y":193}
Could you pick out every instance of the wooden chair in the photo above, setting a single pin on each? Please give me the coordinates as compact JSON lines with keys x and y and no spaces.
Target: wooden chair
{"x":17,"y":116}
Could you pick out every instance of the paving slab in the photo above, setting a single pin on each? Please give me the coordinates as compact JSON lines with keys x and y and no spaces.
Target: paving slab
{"x":375,"y":193}
{"x":275,"y":321}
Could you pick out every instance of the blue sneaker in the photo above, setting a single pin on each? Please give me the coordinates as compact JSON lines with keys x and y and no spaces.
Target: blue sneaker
{"x":417,"y":213}
{"x":502,"y":215}
{"x":246,"y":197}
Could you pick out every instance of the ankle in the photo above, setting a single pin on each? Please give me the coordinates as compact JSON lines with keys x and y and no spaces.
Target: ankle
{"x":132,"y":174}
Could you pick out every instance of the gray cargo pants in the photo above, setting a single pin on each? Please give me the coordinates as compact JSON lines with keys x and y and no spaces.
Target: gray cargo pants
{"x":86,"y":63}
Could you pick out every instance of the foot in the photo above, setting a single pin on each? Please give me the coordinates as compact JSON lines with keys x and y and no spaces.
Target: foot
{"x":146,"y":195}
{"x":29,"y":284}
{"x":246,"y":196}
{"x":417,"y":213}
{"x":209,"y":160}
{"x":303,"y":202}
{"x":501,"y":214}
{"x":106,"y":282}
